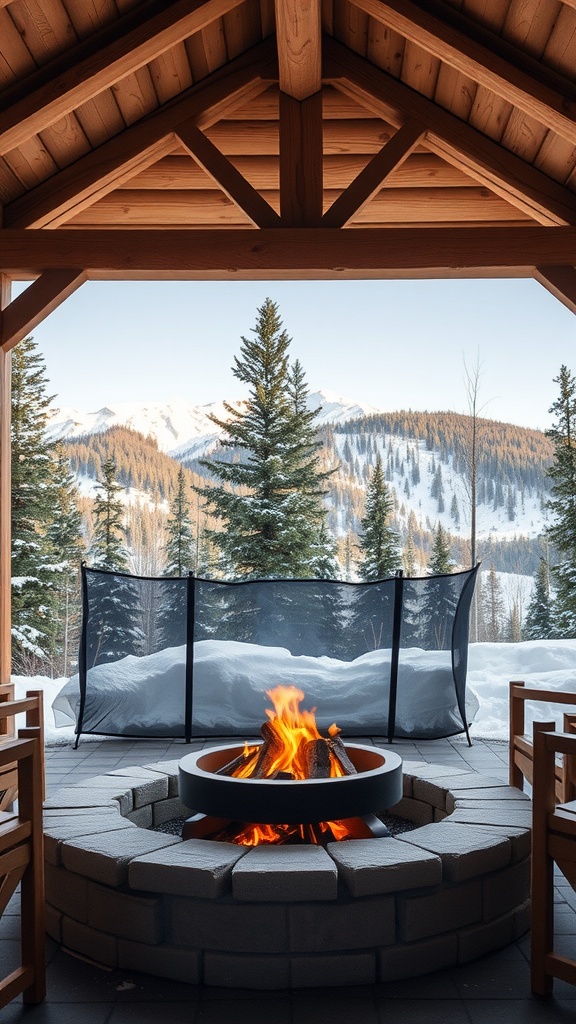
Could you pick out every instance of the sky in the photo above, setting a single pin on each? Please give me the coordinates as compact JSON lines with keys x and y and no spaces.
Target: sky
{"x":392,"y":344}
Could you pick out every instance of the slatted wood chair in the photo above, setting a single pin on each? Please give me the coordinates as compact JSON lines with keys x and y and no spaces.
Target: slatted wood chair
{"x":553,"y":841}
{"x":22,"y":845}
{"x":32,"y":707}
{"x":521,"y":747}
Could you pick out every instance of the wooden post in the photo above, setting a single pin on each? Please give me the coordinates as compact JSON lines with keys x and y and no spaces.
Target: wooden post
{"x":542,"y":886}
{"x":517,"y":726}
{"x":5,"y":500}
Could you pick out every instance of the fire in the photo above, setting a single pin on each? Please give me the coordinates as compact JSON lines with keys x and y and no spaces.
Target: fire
{"x":287,"y":732}
{"x":286,"y":752}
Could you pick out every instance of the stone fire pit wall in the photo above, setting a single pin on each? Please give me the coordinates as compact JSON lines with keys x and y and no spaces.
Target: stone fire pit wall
{"x":358,"y":912}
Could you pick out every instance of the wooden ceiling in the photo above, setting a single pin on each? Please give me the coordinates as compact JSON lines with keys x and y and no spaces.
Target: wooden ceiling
{"x":285,"y":138}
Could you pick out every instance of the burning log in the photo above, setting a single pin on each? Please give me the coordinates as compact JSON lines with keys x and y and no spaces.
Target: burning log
{"x":317,"y":757}
{"x":270,"y":750}
{"x":242,"y":761}
{"x":339,"y":751}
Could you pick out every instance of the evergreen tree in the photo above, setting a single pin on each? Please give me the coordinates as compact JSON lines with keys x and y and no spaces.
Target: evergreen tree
{"x":562,"y":504}
{"x":440,"y":558}
{"x":378,"y":541}
{"x":179,"y":546}
{"x":493,"y":608}
{"x":270,"y":506}
{"x":65,"y":535}
{"x":538,"y":624}
{"x":116,"y":605}
{"x":108,"y":549}
{"x":34,"y":565}
{"x":513,"y":632}
{"x":409,"y":560}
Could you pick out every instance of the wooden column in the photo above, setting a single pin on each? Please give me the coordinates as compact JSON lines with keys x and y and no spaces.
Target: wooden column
{"x":5,"y":499}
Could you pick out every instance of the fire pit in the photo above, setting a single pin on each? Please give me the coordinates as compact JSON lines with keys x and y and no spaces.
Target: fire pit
{"x":294,"y":777}
{"x":377,"y":785}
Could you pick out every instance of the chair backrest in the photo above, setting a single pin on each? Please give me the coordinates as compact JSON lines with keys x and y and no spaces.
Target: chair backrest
{"x":22,"y":850}
{"x":553,"y":842}
{"x":32,"y":706}
{"x":521,"y":746}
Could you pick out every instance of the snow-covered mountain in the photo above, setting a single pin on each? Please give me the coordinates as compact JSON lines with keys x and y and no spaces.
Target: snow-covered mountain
{"x":182,"y":430}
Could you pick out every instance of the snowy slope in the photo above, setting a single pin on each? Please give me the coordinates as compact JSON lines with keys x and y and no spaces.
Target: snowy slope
{"x":181,"y":429}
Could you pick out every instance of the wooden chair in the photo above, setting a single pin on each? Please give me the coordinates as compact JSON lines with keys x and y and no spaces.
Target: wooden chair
{"x":22,"y":845}
{"x":521,"y":746}
{"x":553,"y":841}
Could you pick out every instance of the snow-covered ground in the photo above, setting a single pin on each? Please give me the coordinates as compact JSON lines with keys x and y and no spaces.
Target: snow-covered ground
{"x":550,"y":664}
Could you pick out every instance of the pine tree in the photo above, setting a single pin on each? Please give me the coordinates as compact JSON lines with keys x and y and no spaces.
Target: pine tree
{"x":378,"y":541}
{"x":538,"y":624}
{"x":493,"y":608}
{"x":409,"y":560}
{"x":65,"y":535}
{"x":108,"y":549}
{"x":179,"y":547}
{"x":270,"y":505}
{"x":440,"y":558}
{"x":34,"y":564}
{"x":562,"y":504}
{"x":116,"y":605}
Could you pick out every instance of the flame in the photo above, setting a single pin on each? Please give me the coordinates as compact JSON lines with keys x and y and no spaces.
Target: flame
{"x":287,"y":731}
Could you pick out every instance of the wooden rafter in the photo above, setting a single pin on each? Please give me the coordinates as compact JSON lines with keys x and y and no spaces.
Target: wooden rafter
{"x":506,"y":174}
{"x":537,"y":99}
{"x":301,"y":187}
{"x":99,"y":172}
{"x":290,"y":253}
{"x":561,"y":282}
{"x":34,"y":304}
{"x":105,"y":65}
{"x":299,"y":36}
{"x":371,"y":178}
{"x":232,"y":183}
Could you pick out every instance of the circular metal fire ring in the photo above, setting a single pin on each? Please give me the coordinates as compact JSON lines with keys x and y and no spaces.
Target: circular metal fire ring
{"x":377,"y":786}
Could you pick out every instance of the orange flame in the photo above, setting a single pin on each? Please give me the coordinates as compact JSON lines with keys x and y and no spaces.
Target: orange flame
{"x":287,"y":731}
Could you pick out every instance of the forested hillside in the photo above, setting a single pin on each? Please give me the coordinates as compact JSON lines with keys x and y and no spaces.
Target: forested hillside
{"x":426,"y":457}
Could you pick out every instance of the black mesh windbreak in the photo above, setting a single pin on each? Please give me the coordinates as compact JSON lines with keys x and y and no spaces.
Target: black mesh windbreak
{"x":195,"y":657}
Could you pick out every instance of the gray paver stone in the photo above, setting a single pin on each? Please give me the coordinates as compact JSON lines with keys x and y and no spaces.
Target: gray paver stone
{"x":165,"y":810}
{"x":422,"y":916}
{"x":334,"y":971}
{"x":197,"y":867}
{"x":128,"y":916}
{"x":53,"y":923}
{"x":170,"y":769}
{"x":67,"y":892}
{"x":347,"y":925}
{"x":78,"y":796}
{"x":229,"y":927}
{"x":408,"y":961}
{"x":414,"y":810}
{"x":285,"y":873}
{"x":98,"y":946}
{"x":465,"y":852}
{"x":162,"y":961}
{"x":105,"y":857}
{"x":506,"y":890}
{"x":150,"y":785}
{"x":499,"y":812}
{"x":260,"y":972}
{"x":371,"y":866}
{"x":479,"y":939}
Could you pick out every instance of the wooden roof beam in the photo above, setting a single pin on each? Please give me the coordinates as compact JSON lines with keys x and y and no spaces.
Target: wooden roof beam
{"x":300,"y":164}
{"x":232,"y":183}
{"x":299,"y":38}
{"x":106,"y":62}
{"x":372,"y":177}
{"x":289,"y":253}
{"x":561,"y":282}
{"x":34,"y":304}
{"x":94,"y":175}
{"x":506,"y":174}
{"x":536,"y":98}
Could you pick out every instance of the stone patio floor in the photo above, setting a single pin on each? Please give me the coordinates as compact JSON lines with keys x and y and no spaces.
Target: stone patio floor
{"x":493,"y":990}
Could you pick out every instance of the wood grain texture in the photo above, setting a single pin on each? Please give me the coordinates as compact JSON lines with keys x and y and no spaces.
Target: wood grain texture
{"x":5,"y":500}
{"x":299,"y":42}
{"x":34,"y":304}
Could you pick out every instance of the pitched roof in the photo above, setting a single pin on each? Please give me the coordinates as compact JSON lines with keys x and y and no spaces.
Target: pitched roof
{"x":359,"y":138}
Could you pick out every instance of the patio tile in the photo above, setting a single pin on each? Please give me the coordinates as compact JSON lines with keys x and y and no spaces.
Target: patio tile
{"x":249,"y":1011}
{"x":421,"y":1011}
{"x":359,"y":1007}
{"x":490,"y":979}
{"x":519,"y":1011}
